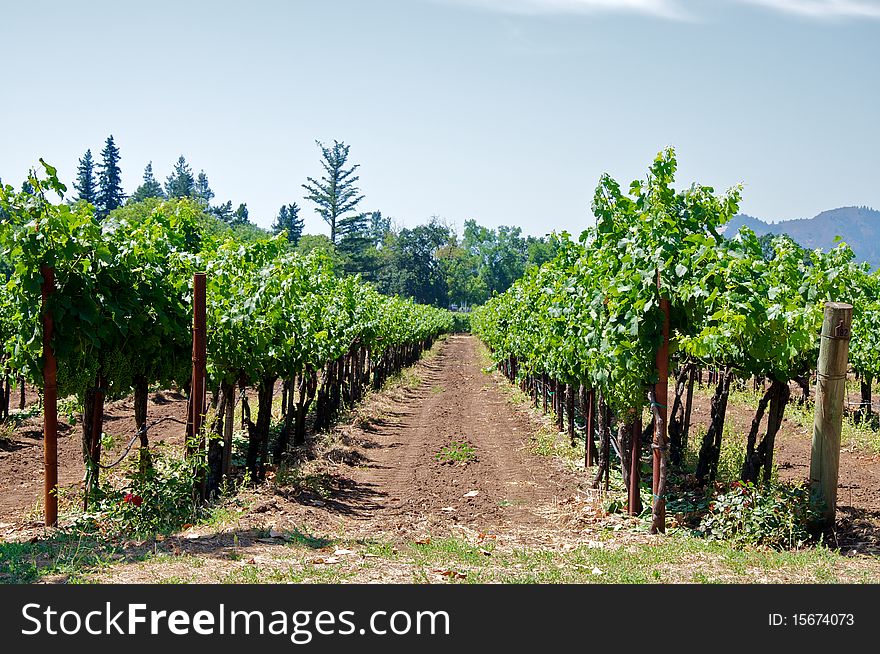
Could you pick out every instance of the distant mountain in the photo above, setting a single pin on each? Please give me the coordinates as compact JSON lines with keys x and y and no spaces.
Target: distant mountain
{"x":858,"y":227}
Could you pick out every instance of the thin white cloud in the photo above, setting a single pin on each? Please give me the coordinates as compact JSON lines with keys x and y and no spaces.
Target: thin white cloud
{"x":823,"y":9}
{"x":678,"y":9}
{"x":670,"y":9}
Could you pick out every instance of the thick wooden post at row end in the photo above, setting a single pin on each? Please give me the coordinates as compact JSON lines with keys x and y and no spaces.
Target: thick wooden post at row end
{"x":50,"y":404}
{"x":828,"y":420}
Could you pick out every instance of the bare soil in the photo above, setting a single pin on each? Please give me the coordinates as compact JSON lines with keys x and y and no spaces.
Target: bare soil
{"x":381,"y":474}
{"x":405,"y":484}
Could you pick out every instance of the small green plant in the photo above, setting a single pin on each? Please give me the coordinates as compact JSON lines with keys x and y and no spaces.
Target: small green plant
{"x":775,"y":515}
{"x":239,"y":447}
{"x":69,"y":407}
{"x":158,"y":500}
{"x":107,"y":441}
{"x":457,"y":452}
{"x":7,"y":434}
{"x":614,"y":505}
{"x":18,"y":416}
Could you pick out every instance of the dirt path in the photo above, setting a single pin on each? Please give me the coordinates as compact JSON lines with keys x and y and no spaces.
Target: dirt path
{"x":381,"y":474}
{"x":505,"y":487}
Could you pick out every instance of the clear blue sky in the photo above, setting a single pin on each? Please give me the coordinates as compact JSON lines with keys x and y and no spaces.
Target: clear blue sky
{"x":505,"y":111}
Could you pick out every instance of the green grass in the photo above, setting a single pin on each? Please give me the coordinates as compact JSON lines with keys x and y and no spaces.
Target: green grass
{"x":546,"y":441}
{"x":18,"y":416}
{"x":302,"y":538}
{"x":733,"y":452}
{"x":853,"y":435}
{"x":66,"y":553}
{"x":678,"y":557}
{"x":861,"y":436}
{"x":457,"y":452}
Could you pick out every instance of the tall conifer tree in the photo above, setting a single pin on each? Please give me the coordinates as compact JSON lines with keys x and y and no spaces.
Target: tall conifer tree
{"x":180,"y":183}
{"x":336,"y":193}
{"x":289,"y":223}
{"x":203,"y":192}
{"x":150,"y":188}
{"x":85,"y":184}
{"x":110,"y":194}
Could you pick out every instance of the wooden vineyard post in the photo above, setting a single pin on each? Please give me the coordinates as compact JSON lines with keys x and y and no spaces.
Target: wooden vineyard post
{"x":688,"y":407}
{"x":50,"y":406}
{"x":659,"y":445}
{"x":828,"y":419}
{"x":589,"y":434}
{"x":199,"y":357}
{"x":634,"y":505}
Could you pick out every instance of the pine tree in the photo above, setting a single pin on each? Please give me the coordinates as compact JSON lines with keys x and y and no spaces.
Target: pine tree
{"x":110,"y":194}
{"x":336,"y":194}
{"x":180,"y":183}
{"x":203,"y":191}
{"x":289,"y":222}
{"x":223,"y":211}
{"x":379,"y":227}
{"x":281,"y":222}
{"x":356,"y":243}
{"x":85,"y":185}
{"x":150,"y":188}
{"x":240,"y":216}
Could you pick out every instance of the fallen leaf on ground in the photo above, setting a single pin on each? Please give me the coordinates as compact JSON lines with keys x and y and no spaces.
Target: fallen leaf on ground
{"x":447,"y":508}
{"x":454,"y":574}
{"x":422,"y":541}
{"x":325,"y":560}
{"x":472,"y":493}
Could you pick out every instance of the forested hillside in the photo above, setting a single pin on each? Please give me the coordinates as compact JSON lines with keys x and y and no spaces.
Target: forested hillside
{"x":858,"y":227}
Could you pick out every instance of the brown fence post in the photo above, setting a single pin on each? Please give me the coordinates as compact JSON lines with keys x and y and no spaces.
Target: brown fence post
{"x":199,"y":355}
{"x":659,"y":445}
{"x":634,"y":505}
{"x":589,"y":434}
{"x":50,"y":405}
{"x":828,"y":420}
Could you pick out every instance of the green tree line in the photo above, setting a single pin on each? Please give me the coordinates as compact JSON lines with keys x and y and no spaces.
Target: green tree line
{"x":431,"y":263}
